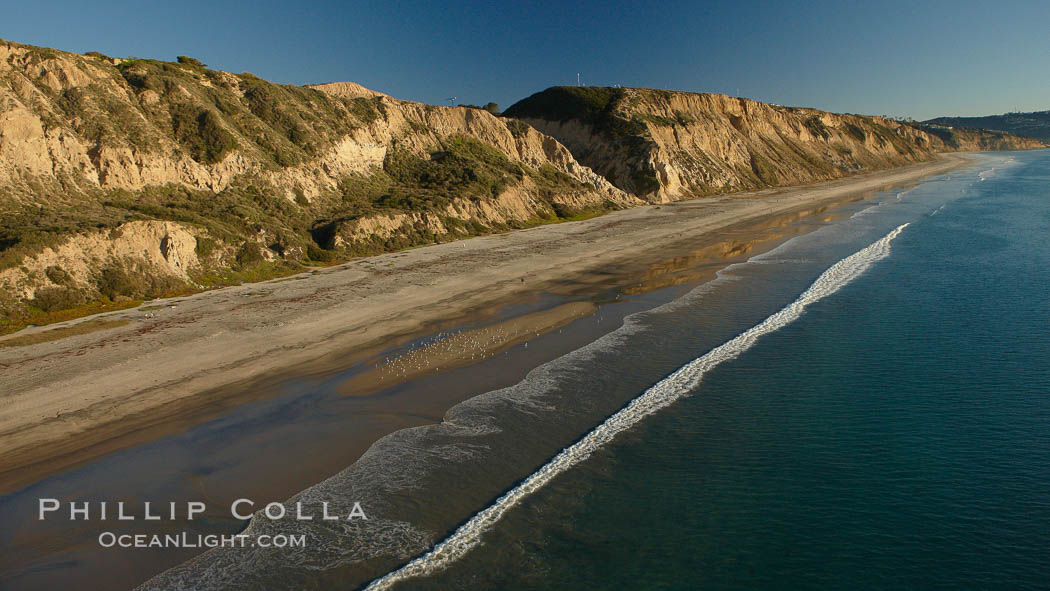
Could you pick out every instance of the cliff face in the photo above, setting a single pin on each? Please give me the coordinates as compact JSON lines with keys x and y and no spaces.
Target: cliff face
{"x":668,"y":145}
{"x":125,"y":179}
{"x":963,"y":139}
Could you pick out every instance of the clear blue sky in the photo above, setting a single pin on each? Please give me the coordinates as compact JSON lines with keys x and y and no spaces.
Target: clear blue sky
{"x":911,"y":58}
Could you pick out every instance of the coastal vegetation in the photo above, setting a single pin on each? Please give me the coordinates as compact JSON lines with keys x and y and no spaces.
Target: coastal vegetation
{"x":255,"y":179}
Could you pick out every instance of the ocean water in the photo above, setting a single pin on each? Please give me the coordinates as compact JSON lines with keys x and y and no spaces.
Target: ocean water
{"x":894,"y":435}
{"x":866,"y":406}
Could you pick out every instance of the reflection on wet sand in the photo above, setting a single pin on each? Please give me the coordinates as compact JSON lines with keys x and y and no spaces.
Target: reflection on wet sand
{"x":458,"y":349}
{"x":733,"y":245}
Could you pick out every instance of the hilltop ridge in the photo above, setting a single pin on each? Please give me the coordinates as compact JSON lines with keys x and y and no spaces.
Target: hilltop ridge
{"x":1034,"y":124}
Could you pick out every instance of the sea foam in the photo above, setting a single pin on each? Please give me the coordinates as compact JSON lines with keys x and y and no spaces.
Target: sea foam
{"x":661,"y":395}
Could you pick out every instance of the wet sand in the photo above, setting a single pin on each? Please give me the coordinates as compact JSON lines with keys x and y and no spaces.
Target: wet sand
{"x":68,"y":401}
{"x":461,"y":348}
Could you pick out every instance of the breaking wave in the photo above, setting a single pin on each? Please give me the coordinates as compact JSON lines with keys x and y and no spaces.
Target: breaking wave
{"x":659,"y":396}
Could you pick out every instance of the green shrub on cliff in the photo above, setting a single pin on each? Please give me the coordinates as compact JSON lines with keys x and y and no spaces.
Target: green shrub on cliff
{"x":201,"y":133}
{"x":763,"y":170}
{"x":817,"y":127}
{"x":117,"y":282}
{"x":460,"y":167}
{"x":190,"y":61}
{"x":58,"y":275}
{"x":250,"y":255}
{"x":856,"y":131}
{"x":51,"y":299}
{"x":205,"y":247}
{"x":517,"y":128}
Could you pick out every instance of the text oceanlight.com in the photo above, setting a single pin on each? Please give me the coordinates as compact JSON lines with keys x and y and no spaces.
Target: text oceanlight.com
{"x":187,"y":540}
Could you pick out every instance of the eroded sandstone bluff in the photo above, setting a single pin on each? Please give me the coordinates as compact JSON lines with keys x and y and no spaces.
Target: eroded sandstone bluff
{"x":667,"y":145}
{"x":127,"y":179}
{"x":123,"y":179}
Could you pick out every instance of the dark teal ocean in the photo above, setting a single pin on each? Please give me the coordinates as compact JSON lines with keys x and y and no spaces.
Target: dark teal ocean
{"x":895,"y":436}
{"x":866,"y":406}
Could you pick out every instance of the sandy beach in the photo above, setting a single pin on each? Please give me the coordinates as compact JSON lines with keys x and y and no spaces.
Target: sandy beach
{"x":70,"y":400}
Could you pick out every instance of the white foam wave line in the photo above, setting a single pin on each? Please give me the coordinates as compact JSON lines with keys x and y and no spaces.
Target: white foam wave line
{"x":661,"y":395}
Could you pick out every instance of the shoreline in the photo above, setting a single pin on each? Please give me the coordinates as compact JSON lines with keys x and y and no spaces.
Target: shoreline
{"x":76,"y":399}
